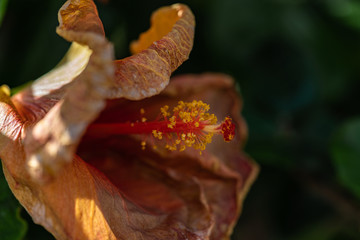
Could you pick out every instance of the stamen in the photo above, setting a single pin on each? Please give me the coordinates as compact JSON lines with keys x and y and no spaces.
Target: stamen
{"x":189,"y":125}
{"x":5,"y":89}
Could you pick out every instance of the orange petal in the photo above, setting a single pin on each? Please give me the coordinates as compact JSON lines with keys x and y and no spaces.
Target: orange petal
{"x":51,"y":139}
{"x":158,"y":53}
{"x":10,"y":121}
{"x":55,"y":111}
{"x":162,"y":22}
{"x":80,"y":16}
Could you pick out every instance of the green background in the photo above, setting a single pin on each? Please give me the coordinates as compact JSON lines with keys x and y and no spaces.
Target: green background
{"x":297,"y":63}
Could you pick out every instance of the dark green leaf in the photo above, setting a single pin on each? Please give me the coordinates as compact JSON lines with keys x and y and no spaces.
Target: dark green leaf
{"x":324,"y":231}
{"x":3,"y":4}
{"x":346,"y":155}
{"x":12,"y":226}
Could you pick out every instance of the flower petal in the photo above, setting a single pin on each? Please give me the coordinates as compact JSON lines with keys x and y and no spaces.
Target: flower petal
{"x":80,"y":16}
{"x":10,"y":121}
{"x":73,"y":63}
{"x":34,"y":102}
{"x":52,"y":141}
{"x":158,"y":53}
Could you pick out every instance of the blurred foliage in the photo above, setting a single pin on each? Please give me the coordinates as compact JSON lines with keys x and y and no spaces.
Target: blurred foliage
{"x":12,"y":226}
{"x":297,"y":63}
{"x":3,"y":4}
{"x":346,"y":155}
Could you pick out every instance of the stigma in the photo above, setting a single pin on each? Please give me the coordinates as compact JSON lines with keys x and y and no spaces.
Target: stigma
{"x":188,"y":125}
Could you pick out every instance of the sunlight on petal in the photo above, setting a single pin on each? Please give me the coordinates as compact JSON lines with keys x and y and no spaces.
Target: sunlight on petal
{"x":74,"y":62}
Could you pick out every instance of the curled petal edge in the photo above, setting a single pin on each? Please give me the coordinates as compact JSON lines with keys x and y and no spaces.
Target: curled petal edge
{"x":148,"y":71}
{"x":52,"y":141}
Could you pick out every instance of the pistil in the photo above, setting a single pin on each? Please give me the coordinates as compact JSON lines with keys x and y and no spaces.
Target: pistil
{"x":189,"y":125}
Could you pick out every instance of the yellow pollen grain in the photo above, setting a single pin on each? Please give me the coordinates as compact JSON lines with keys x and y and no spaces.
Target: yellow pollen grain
{"x":157,"y":134}
{"x":172,"y":123}
{"x":170,"y":147}
{"x":154,"y":132}
{"x":142,"y":111}
{"x":143,"y":145}
{"x":164,"y":111}
{"x":143,"y":119}
{"x":183,"y":136}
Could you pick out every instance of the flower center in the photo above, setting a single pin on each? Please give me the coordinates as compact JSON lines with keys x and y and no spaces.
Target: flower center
{"x":189,"y":125}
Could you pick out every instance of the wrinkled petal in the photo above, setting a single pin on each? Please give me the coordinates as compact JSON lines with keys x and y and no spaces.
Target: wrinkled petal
{"x":52,"y":141}
{"x":157,"y":54}
{"x":73,"y":63}
{"x":35,"y":101}
{"x":80,"y":16}
{"x":10,"y":121}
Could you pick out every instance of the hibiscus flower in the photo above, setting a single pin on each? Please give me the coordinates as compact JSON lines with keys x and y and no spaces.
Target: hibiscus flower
{"x":104,"y":149}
